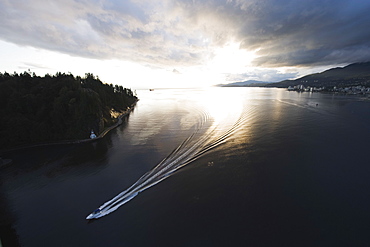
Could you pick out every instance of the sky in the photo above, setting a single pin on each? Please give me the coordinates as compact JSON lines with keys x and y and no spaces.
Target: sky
{"x":183,"y":43}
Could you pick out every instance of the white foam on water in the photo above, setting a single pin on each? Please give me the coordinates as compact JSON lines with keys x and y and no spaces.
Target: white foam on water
{"x":188,"y":151}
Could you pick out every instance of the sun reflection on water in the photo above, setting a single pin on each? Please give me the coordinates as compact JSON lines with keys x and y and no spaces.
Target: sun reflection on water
{"x":232,"y":113}
{"x":223,"y":107}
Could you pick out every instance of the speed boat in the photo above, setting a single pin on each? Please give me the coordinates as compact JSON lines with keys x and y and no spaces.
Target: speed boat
{"x":97,"y":213}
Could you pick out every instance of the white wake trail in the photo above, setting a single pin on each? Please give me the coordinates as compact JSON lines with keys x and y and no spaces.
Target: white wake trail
{"x":188,"y":151}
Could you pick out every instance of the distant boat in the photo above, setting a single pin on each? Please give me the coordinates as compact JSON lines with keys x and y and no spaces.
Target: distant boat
{"x":151,"y":89}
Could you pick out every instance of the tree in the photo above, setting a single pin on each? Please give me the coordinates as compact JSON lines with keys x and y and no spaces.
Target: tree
{"x":50,"y":108}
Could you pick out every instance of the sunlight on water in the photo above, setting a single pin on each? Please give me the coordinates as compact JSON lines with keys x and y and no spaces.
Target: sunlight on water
{"x":221,"y":116}
{"x":224,"y":108}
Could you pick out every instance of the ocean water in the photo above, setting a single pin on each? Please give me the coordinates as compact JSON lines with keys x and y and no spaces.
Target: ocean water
{"x":206,"y":167}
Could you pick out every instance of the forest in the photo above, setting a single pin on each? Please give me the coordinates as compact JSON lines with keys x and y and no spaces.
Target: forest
{"x":58,"y":107}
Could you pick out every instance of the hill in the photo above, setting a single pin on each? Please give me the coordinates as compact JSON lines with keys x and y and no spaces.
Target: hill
{"x":351,"y":75}
{"x":36,"y":109}
{"x":249,"y":83}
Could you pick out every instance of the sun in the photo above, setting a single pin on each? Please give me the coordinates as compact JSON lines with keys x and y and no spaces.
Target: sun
{"x":231,"y":59}
{"x":226,"y":60}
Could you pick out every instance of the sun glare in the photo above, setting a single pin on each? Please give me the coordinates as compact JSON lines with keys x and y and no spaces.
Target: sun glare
{"x":227,"y":60}
{"x":231,"y":59}
{"x":222,"y":106}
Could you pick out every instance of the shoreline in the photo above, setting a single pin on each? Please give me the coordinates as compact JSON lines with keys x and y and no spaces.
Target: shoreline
{"x":69,"y":142}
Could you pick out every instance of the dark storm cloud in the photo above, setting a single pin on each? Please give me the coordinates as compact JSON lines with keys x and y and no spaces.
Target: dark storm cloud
{"x":306,"y":33}
{"x":184,"y":33}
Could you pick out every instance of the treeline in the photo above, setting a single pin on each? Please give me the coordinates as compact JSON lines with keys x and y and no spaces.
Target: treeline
{"x":36,"y":109}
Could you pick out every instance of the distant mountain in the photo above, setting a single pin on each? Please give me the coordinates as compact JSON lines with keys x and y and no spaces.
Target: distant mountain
{"x":249,"y":83}
{"x":350,"y":75}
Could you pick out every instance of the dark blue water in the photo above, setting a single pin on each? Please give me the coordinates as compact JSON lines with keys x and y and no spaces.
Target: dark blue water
{"x":286,"y":172}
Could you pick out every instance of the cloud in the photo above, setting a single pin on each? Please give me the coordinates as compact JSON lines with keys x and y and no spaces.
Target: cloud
{"x":184,"y":33}
{"x":309,"y":33}
{"x":33,"y":66}
{"x":158,"y":34}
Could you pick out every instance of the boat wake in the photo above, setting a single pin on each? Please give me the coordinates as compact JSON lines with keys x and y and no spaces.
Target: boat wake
{"x":188,"y":151}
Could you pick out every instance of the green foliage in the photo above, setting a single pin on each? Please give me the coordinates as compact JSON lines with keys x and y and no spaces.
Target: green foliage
{"x":37,"y":109}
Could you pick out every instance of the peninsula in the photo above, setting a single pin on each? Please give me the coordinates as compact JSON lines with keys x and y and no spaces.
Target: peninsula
{"x":58,"y":107}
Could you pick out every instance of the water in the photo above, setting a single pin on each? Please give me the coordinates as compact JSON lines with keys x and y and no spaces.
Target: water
{"x":223,"y":167}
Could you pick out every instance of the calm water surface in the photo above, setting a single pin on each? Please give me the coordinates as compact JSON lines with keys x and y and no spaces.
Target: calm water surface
{"x":271,"y":168}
